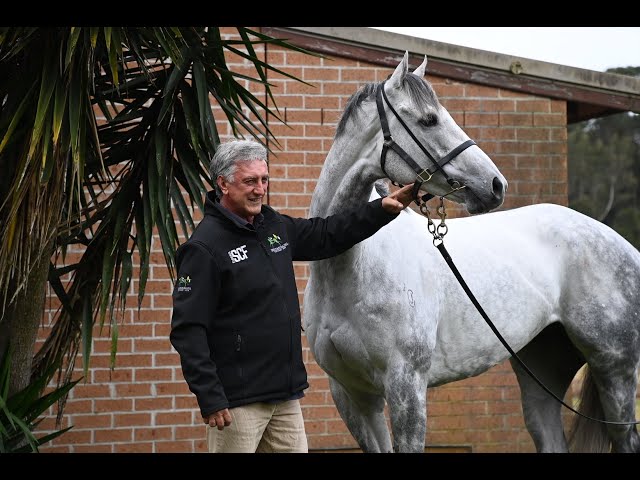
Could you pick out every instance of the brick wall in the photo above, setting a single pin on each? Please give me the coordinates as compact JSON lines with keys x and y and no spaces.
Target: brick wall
{"x":144,"y":404}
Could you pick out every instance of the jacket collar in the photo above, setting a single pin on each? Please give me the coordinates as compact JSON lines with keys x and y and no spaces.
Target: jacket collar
{"x":213,"y":207}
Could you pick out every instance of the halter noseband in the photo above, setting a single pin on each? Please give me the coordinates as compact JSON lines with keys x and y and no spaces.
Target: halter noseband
{"x":423,"y":175}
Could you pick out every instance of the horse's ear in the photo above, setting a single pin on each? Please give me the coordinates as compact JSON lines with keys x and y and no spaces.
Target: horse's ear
{"x":421,"y":70}
{"x":401,"y":70}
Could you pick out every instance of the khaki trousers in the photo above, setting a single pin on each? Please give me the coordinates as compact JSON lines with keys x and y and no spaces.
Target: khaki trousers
{"x":261,"y":428}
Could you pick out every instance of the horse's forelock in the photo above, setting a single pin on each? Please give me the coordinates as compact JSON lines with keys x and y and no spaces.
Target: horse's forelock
{"x":420,"y":92}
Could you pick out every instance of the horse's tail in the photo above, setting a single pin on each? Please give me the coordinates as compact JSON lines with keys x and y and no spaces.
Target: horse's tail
{"x":588,"y":436}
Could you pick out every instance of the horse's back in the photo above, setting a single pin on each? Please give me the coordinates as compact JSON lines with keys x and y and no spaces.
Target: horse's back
{"x":562,"y":229}
{"x":530,"y":267}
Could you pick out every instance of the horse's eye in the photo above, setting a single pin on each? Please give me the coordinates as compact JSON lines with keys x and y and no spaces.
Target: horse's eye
{"x":429,"y":120}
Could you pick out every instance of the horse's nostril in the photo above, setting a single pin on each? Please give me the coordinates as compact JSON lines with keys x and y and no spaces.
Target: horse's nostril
{"x":498,"y":188}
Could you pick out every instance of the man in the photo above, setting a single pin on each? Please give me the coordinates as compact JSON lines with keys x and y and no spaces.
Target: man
{"x":236,"y":315}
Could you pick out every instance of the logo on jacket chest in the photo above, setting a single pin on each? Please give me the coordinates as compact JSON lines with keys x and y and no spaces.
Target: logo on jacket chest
{"x":238,"y":254}
{"x":275,"y":243}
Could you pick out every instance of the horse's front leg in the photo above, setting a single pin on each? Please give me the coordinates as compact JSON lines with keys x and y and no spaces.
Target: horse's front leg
{"x":406,"y":394}
{"x":364,"y":416}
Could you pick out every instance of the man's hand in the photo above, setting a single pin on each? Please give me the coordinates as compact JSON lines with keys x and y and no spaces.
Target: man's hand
{"x":220,"y":419}
{"x":395,"y":202}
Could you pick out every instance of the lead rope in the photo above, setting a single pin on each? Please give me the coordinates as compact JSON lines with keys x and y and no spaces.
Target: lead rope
{"x":438,"y":232}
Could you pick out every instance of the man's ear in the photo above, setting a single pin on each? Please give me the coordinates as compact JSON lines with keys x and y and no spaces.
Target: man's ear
{"x":222,"y":184}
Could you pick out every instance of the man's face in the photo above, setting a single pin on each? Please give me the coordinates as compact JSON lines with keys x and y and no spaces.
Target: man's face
{"x":244,"y":196}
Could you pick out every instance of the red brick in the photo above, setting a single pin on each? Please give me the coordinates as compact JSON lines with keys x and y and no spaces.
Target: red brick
{"x":144,"y":404}
{"x":131,"y":419}
{"x":558,"y":135}
{"x":162,"y":301}
{"x":342,"y":88}
{"x":111,"y":376}
{"x":304,"y":171}
{"x":446,"y":90}
{"x":499,"y":105}
{"x":137,"y":447}
{"x":542,"y":106}
{"x":325,"y":74}
{"x":159,"y":286}
{"x":497,"y":133}
{"x":516,"y":147}
{"x":544,"y":120}
{"x":133,"y":390}
{"x":303,"y":144}
{"x":483,"y":119}
{"x":167,"y":359}
{"x":159,"y":345}
{"x":291,"y":70}
{"x":117,"y":405}
{"x":184,"y":446}
{"x":326,"y":131}
{"x":295,"y":58}
{"x":293,"y":116}
{"x":82,"y":390}
{"x":93,"y":449}
{"x":531,"y":133}
{"x":292,"y":87}
{"x":154,"y":433}
{"x":461,"y":105}
{"x":154,"y":315}
{"x":315,"y":427}
{"x":516,"y":119}
{"x":161,"y":330}
{"x":276,"y":57}
{"x":192,"y":433}
{"x":73,"y":437}
{"x":93,"y":421}
{"x":331,"y":441}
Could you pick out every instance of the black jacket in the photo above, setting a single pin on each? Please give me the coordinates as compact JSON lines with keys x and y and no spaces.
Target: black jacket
{"x":236,"y":315}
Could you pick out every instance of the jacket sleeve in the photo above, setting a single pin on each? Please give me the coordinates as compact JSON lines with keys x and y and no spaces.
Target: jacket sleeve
{"x":318,"y":238}
{"x":194,"y":304}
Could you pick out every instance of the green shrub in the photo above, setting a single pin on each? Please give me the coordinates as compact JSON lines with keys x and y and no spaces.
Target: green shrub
{"x":22,"y":412}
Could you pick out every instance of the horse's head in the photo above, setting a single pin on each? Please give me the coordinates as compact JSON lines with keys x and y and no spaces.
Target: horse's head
{"x":422,"y":140}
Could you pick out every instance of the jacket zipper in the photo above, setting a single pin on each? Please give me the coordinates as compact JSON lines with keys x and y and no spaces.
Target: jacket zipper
{"x":286,"y":309}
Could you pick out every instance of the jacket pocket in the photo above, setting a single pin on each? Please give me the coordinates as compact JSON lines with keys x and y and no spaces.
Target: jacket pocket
{"x":239,"y":352}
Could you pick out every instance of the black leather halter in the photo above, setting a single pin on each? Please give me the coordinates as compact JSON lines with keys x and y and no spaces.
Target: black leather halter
{"x":423,"y":175}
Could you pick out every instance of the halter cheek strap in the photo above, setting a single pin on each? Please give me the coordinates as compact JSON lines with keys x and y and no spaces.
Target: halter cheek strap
{"x":422,"y":175}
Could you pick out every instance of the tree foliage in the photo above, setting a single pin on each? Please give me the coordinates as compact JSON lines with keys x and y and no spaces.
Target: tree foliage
{"x":604,"y":169}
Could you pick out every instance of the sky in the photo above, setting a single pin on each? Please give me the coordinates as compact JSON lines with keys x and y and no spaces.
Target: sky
{"x":593,"y":48}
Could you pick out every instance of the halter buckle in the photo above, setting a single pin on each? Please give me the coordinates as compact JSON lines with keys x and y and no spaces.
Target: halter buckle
{"x":421,"y":176}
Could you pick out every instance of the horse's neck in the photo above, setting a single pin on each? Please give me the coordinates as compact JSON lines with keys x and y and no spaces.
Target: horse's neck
{"x":348,"y":174}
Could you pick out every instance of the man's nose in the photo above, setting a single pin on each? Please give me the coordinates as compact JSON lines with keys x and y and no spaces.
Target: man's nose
{"x":261,"y":188}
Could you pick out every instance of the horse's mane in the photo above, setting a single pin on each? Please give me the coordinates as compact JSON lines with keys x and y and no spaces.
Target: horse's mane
{"x":420,"y":92}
